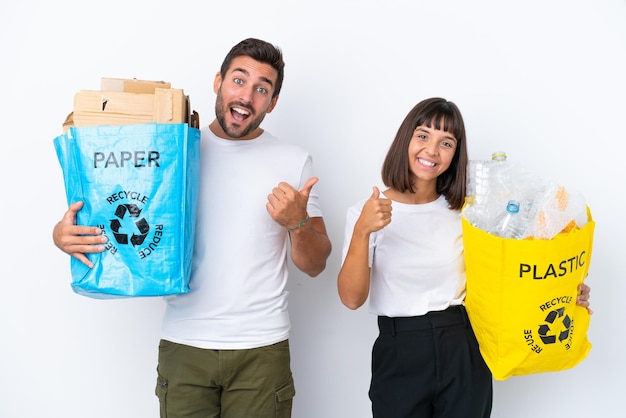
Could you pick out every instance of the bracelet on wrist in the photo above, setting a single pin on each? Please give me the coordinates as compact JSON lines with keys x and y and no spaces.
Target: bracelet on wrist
{"x":300,"y":224}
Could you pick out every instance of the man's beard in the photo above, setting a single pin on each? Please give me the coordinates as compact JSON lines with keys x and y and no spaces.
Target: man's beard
{"x":234,"y":132}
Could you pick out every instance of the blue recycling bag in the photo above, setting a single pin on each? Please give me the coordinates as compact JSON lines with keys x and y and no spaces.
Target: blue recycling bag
{"x":139,"y":184}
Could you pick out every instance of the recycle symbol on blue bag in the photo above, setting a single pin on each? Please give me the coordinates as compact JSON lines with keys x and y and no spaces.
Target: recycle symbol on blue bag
{"x":128,"y":226}
{"x":557,"y":325}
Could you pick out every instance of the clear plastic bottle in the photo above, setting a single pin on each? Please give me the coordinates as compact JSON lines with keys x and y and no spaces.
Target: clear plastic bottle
{"x":488,"y":189}
{"x":483,"y":175}
{"x":511,"y":223}
{"x":501,"y":178}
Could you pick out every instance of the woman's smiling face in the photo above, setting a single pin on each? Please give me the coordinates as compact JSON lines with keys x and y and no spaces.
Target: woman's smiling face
{"x":430,"y":153}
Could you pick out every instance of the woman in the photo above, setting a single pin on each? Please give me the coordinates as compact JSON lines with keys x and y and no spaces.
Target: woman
{"x":425,"y":361}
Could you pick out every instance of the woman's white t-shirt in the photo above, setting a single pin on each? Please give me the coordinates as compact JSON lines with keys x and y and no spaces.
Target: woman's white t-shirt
{"x":416,"y":261}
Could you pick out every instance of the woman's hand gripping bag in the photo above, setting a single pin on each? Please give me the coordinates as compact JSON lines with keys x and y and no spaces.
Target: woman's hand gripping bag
{"x":139,"y":184}
{"x":521,"y":299}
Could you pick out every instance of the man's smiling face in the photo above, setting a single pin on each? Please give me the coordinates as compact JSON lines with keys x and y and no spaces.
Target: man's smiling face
{"x":244,"y":97}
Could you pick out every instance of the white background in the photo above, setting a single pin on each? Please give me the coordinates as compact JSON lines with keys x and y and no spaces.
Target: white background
{"x":542,"y":80}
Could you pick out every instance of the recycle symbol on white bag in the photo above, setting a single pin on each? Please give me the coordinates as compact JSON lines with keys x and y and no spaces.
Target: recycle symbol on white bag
{"x":557,"y":326}
{"x":127,"y":226}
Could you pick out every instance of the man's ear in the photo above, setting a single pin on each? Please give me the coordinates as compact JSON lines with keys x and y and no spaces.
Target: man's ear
{"x":217,"y":82}
{"x":272,"y":104}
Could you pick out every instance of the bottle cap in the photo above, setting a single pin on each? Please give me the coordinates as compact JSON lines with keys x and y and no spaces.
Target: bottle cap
{"x":498,"y":156}
{"x":512,"y":206}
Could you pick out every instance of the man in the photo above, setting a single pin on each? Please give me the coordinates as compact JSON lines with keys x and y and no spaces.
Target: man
{"x":224,"y":350}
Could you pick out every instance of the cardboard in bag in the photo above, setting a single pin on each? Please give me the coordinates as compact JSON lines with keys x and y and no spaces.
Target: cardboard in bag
{"x":94,"y":107}
{"x":131,"y":153}
{"x":128,"y":102}
{"x":132,"y":85}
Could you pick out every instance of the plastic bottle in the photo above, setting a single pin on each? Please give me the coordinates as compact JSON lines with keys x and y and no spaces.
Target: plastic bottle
{"x":511,"y":223}
{"x":556,"y":210}
{"x":488,"y":189}
{"x":501,"y":178}
{"x":482,"y":175}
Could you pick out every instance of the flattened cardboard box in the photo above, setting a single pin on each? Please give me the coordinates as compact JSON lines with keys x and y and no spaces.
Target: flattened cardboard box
{"x":92,"y":107}
{"x":132,"y":85}
{"x":130,"y":101}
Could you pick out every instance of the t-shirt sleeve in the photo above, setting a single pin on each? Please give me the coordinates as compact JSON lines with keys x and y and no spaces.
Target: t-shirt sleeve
{"x":313,"y":206}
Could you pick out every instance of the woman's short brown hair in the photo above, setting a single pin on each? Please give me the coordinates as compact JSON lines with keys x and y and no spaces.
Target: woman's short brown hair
{"x":440,"y":114}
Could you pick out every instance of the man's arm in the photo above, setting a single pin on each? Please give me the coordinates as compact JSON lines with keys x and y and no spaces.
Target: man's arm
{"x":310,"y":245}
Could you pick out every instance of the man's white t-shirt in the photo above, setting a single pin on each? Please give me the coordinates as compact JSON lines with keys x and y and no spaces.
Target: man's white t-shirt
{"x":237,"y":297}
